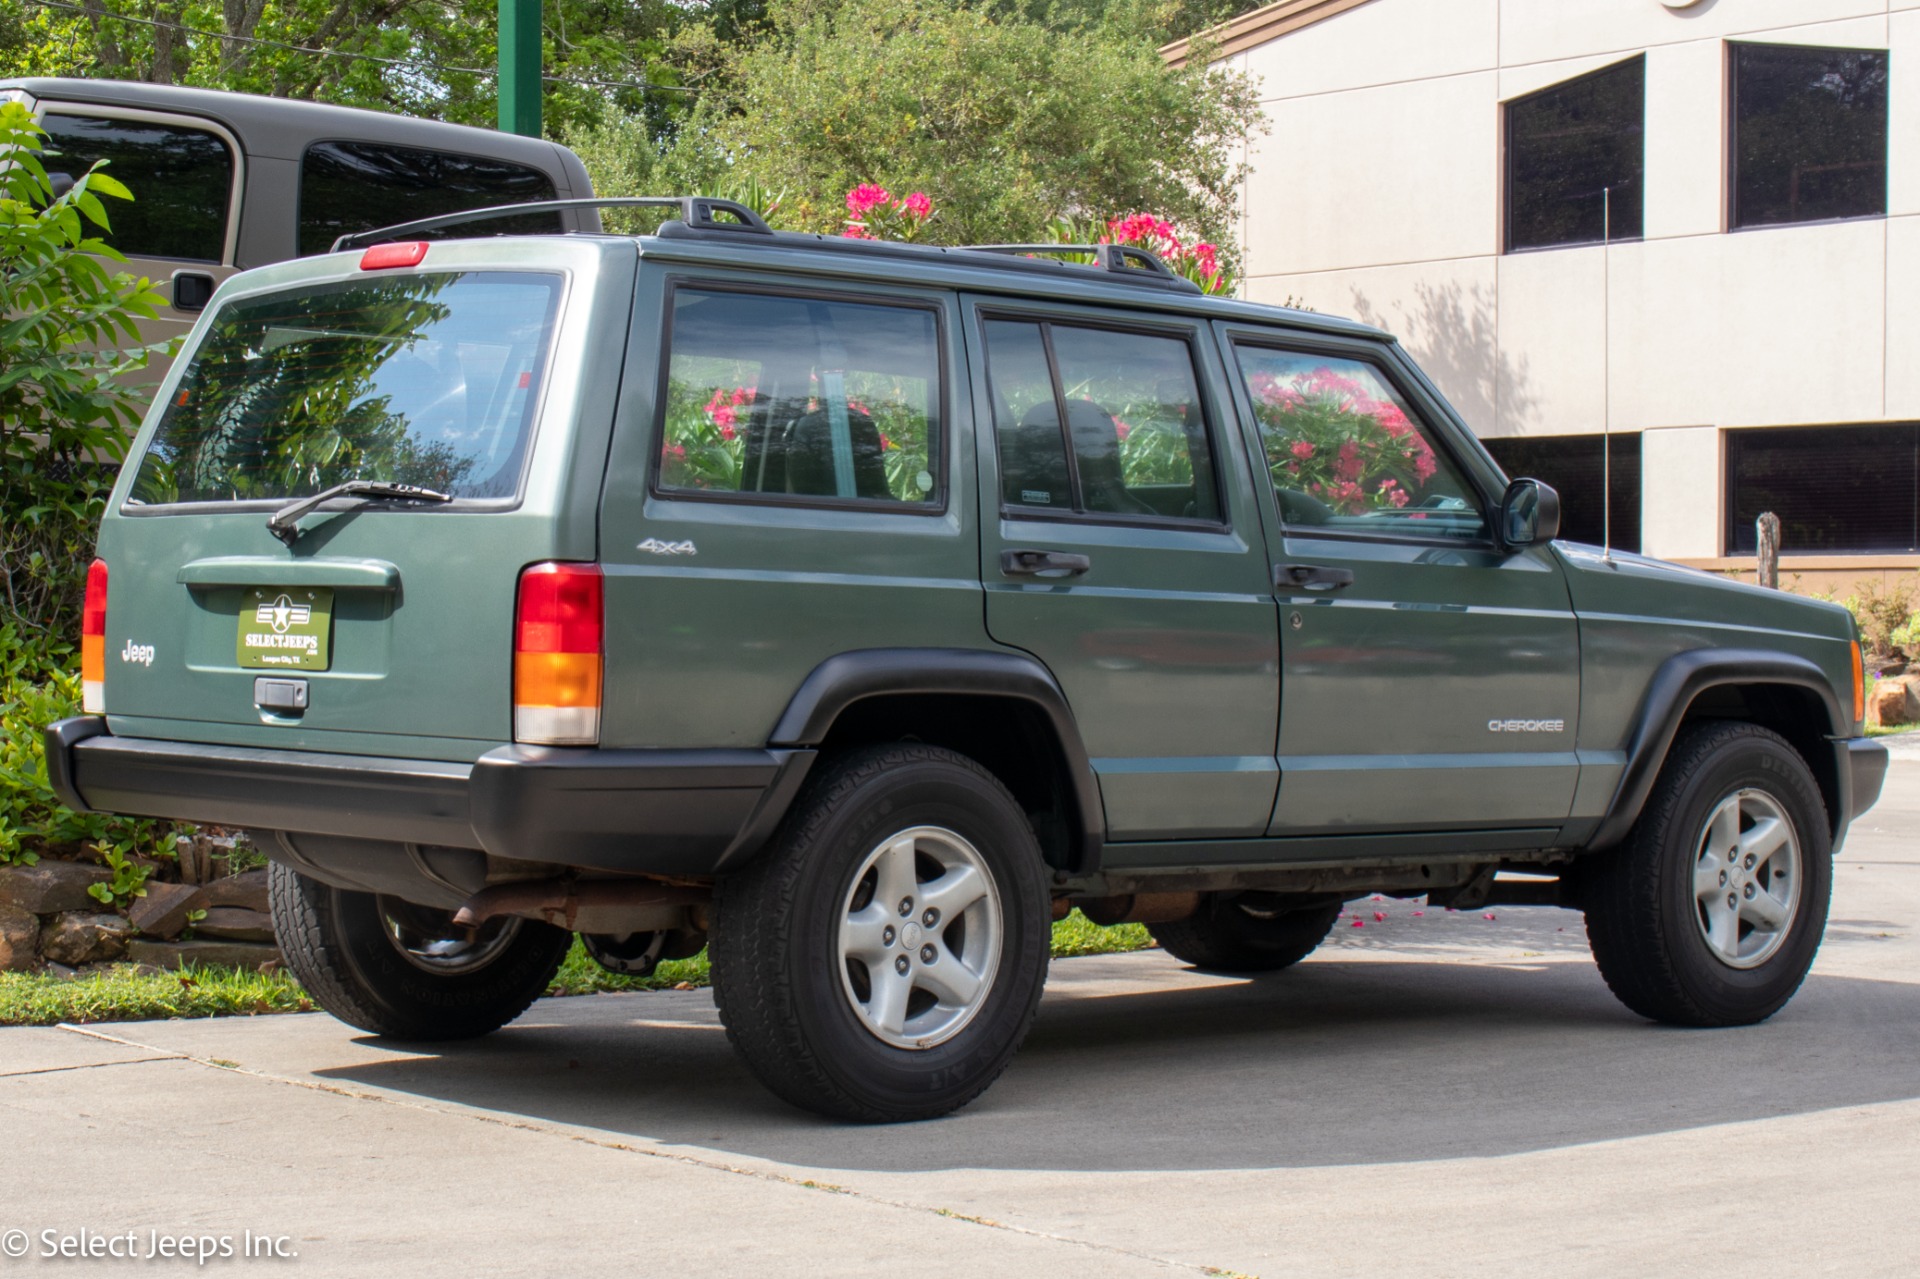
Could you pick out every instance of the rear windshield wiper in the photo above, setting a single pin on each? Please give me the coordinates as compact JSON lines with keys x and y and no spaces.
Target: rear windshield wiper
{"x":285,"y":522}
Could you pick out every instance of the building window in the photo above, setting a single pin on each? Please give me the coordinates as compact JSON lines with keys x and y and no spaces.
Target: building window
{"x":1809,"y":134}
{"x":346,"y":187}
{"x":1576,"y":467}
{"x":1567,"y":147}
{"x":1835,"y":488}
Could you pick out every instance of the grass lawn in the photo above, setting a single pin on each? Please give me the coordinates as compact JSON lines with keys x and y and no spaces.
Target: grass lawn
{"x":122,"y":994}
{"x":1879,"y":730}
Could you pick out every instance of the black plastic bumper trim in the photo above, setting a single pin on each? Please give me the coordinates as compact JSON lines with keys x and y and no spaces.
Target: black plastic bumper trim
{"x":661,"y":812}
{"x":1867,"y":768}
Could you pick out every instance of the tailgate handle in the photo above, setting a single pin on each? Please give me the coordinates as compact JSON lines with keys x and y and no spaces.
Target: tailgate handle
{"x":271,"y":570}
{"x":1312,"y":577}
{"x":1029,"y":563}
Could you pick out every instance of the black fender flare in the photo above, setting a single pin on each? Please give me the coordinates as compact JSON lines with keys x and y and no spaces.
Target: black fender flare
{"x":1675,"y":684}
{"x":845,"y":678}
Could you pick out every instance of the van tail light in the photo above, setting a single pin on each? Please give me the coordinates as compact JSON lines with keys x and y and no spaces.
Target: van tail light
{"x":382,"y":257}
{"x":93,"y":642}
{"x":557,"y":648}
{"x":1859,"y":681}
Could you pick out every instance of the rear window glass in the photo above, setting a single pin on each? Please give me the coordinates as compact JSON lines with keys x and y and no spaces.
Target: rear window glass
{"x":181,"y":179}
{"x":424,"y":379}
{"x":347,"y":187}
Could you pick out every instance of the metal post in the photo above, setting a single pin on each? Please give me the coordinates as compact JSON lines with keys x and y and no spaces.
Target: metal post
{"x":1767,"y":562}
{"x":520,"y":67}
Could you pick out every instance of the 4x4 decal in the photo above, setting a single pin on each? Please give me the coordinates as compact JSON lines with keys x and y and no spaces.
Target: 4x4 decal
{"x":654,"y":546}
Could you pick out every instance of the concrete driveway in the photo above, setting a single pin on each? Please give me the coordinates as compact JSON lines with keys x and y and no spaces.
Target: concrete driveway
{"x":1441,"y":1095}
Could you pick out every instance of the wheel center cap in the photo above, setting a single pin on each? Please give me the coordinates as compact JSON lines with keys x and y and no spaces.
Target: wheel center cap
{"x":910,"y":936}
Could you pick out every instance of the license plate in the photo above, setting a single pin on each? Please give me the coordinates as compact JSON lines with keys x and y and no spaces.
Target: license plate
{"x":285,"y":628}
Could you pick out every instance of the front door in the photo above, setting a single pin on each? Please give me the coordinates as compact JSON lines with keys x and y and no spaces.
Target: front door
{"x":1122,"y":546}
{"x":1430,"y":679}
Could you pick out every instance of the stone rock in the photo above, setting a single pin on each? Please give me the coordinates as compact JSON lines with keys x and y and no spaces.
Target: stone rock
{"x":19,"y":940}
{"x":235,"y":923}
{"x":170,"y":955}
{"x":163,"y":911}
{"x":1891,"y":702}
{"x":51,"y":887}
{"x":247,"y":889}
{"x":78,"y":937}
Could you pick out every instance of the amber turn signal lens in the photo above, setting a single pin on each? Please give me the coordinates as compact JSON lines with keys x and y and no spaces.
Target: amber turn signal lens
{"x":1859,"y":685}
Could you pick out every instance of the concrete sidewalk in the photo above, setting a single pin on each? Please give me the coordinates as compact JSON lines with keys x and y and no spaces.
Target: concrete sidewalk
{"x":1443,"y":1094}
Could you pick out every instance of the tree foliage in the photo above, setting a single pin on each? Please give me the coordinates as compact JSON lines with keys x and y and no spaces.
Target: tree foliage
{"x":1006,"y":122}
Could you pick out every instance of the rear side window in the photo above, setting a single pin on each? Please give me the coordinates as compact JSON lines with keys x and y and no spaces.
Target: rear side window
{"x":802,"y":398}
{"x":1134,"y":441}
{"x":347,"y":187}
{"x":181,"y":179}
{"x":423,"y":379}
{"x":1347,"y":454}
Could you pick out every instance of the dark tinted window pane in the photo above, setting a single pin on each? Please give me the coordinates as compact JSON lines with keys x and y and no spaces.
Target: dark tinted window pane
{"x":422,"y":379}
{"x":1026,"y":418}
{"x":802,"y":397}
{"x":1576,"y":467}
{"x":181,"y":179}
{"x":1139,"y":437}
{"x":1568,"y":145}
{"x":356,"y":186}
{"x":1809,"y":134}
{"x":1835,"y":488}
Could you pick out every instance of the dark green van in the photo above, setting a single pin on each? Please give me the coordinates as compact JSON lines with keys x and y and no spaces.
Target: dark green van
{"x":857,"y":608}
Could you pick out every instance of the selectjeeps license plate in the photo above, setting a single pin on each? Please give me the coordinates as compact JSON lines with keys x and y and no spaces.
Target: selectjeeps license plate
{"x":285,"y":628}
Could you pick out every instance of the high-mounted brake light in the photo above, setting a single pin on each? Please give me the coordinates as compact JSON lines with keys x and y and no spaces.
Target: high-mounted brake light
{"x":381,"y":256}
{"x":557,"y":647}
{"x":93,"y":641}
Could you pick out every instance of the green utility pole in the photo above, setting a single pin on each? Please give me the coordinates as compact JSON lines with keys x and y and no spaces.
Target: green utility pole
{"x":520,"y":67}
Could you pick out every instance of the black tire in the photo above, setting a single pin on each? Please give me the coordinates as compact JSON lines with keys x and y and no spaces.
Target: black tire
{"x":1643,"y":919}
{"x":1235,"y":933}
{"x":788,"y":996}
{"x":338,"y":946}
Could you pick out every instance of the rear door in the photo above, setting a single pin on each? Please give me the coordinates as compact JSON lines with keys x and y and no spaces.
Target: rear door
{"x":1121,"y":545}
{"x":1430,"y":679}
{"x":484,"y":373}
{"x":182,"y":225}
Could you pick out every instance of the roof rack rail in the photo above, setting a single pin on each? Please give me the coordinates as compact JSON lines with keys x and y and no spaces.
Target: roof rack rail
{"x":695,"y":211}
{"x":1109,"y":257}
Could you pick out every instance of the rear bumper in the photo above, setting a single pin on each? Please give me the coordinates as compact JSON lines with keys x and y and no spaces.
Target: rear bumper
{"x":659,"y":812}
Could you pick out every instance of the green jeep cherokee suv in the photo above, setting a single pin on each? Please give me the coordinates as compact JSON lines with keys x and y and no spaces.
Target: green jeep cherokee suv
{"x":855,"y":609}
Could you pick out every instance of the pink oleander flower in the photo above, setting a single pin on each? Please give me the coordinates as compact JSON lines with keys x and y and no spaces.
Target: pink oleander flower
{"x":855,"y":231}
{"x":1302,"y":449}
{"x":1121,"y":429}
{"x":919,"y":205}
{"x":866,"y":196}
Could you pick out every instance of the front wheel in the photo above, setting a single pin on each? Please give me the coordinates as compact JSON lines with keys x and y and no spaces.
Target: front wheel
{"x":1711,"y":911}
{"x":884,"y":959}
{"x":406,"y":971}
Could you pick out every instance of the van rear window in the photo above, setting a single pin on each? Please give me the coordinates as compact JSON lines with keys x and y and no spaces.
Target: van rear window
{"x":426,"y":379}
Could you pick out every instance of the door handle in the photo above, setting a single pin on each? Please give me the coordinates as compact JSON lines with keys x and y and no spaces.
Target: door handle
{"x":1031,"y":563}
{"x":1312,"y":577}
{"x":192,"y":290}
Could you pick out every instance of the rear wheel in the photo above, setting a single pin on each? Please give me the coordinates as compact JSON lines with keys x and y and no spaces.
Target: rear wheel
{"x":405,"y":971}
{"x":883,"y":961}
{"x":1242,"y":933}
{"x":1711,"y":911}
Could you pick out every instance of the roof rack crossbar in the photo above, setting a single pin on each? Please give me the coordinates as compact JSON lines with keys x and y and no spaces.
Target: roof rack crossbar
{"x":1109,"y":257}
{"x":695,"y":211}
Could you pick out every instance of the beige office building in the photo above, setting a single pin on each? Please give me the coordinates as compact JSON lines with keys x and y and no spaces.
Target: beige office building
{"x":1692,"y":223}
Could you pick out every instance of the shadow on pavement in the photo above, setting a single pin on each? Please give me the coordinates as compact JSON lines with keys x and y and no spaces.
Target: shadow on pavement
{"x":1335,"y":1062}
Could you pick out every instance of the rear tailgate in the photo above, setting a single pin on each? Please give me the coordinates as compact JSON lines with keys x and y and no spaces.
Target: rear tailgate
{"x":487,"y":372}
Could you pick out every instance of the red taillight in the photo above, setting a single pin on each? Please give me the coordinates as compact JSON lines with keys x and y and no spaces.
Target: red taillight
{"x":93,"y":641}
{"x":382,"y":256}
{"x":557,"y":644}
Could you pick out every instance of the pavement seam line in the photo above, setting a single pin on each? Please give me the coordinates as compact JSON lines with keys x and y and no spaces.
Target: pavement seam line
{"x":90,"y":1065}
{"x":650,"y":1151}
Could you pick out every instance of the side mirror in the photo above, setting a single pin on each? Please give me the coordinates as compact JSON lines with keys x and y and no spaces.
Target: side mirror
{"x":1529,"y":514}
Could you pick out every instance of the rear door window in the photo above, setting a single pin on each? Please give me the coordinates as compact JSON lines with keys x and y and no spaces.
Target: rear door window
{"x":346,"y":187}
{"x":1348,"y":454}
{"x":181,"y":178}
{"x":1134,"y":442}
{"x":802,"y":399}
{"x":427,"y":379}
